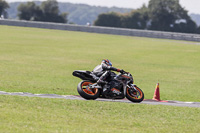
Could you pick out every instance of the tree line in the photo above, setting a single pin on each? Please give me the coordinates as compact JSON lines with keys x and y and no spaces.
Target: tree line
{"x":3,"y":6}
{"x":77,"y":13}
{"x":161,"y":15}
{"x":47,"y":11}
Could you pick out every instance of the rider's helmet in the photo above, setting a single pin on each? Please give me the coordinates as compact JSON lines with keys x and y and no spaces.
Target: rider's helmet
{"x":106,"y":62}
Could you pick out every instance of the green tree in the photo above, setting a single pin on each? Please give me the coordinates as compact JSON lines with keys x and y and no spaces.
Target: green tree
{"x":188,"y":26}
{"x":3,"y":6}
{"x":111,"y":19}
{"x":51,"y":12}
{"x":198,"y":30}
{"x":165,"y":15}
{"x":48,"y":11}
{"x":28,"y":11}
{"x":132,"y":20}
{"x":137,"y":19}
{"x":161,"y":15}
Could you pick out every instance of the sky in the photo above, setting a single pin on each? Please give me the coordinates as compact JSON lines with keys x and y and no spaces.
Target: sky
{"x":192,"y":6}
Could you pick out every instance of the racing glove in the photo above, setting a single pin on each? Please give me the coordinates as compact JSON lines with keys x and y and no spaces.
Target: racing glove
{"x":121,"y":71}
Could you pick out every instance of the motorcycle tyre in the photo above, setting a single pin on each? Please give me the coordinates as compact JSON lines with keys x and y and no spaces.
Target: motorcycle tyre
{"x":135,"y":100}
{"x":84,"y":94}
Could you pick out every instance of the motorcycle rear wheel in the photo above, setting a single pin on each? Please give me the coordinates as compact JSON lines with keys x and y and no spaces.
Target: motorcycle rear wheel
{"x":86,"y":92}
{"x":135,"y":96}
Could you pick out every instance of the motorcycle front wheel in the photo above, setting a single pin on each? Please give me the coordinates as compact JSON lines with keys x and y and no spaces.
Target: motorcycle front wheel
{"x":134,"y":95}
{"x":86,"y":92}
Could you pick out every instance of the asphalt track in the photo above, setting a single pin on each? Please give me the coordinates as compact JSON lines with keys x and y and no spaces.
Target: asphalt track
{"x":74,"y":97}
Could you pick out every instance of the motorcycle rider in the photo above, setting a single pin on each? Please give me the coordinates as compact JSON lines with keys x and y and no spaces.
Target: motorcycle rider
{"x":104,"y":70}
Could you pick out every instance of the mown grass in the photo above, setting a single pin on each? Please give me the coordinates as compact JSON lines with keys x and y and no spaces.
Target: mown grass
{"x":24,"y":114}
{"x":42,"y":61}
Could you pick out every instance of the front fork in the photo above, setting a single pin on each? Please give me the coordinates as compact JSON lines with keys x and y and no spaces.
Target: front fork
{"x":132,"y":86}
{"x":134,"y":91}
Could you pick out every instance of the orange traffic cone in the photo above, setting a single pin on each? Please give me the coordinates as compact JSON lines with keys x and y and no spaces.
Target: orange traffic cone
{"x":157,"y":93}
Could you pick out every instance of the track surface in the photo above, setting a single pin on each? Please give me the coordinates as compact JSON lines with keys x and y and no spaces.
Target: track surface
{"x":72,"y":97}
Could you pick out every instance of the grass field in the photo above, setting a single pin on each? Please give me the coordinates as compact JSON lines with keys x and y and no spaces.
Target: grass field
{"x":23,"y":114}
{"x":42,"y":61}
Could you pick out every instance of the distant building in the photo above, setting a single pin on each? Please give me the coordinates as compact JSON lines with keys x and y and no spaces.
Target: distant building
{"x":1,"y":17}
{"x":88,"y":24}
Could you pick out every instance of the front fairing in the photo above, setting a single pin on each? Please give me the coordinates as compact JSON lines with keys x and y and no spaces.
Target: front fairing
{"x":126,"y":78}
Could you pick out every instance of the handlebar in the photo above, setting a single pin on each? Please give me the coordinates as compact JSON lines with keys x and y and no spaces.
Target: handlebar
{"x":127,"y":72}
{"x":124,"y":72}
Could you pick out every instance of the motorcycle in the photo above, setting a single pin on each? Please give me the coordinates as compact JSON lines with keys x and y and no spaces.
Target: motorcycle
{"x":118,"y":86}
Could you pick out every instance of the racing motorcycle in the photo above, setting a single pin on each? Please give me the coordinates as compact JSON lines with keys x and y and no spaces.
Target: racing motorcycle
{"x":117,"y":86}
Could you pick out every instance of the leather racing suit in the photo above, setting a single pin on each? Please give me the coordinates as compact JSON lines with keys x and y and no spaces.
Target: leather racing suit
{"x":103,"y":71}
